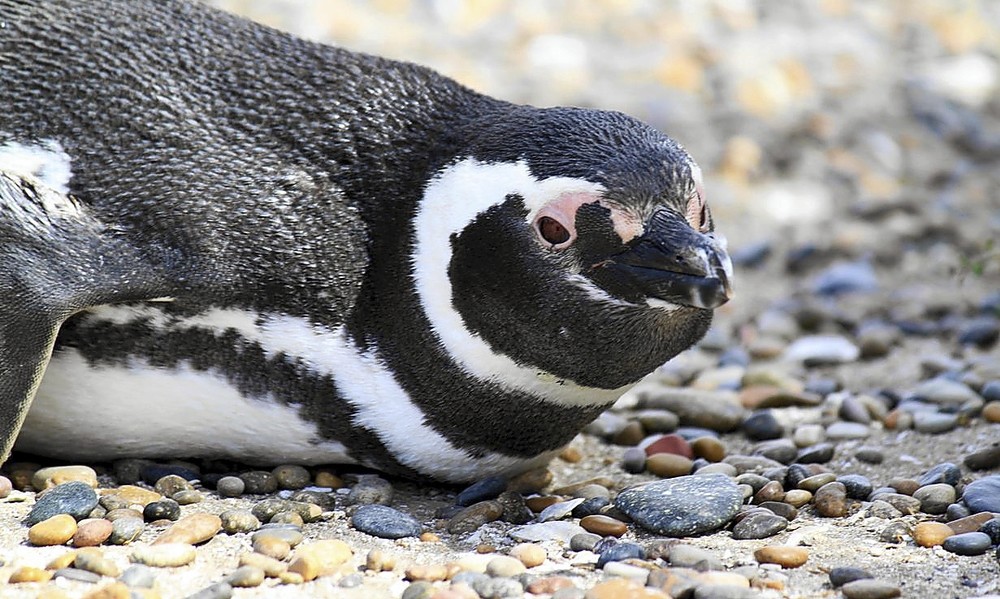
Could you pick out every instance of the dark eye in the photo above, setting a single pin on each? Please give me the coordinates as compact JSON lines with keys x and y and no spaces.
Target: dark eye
{"x":552,"y":230}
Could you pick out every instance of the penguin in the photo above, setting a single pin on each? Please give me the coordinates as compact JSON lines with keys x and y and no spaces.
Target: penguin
{"x":220,"y":240}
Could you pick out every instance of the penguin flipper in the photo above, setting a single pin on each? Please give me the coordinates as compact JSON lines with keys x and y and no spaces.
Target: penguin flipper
{"x":56,"y":259}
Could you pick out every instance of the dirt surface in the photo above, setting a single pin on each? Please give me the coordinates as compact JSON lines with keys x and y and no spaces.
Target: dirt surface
{"x":834,"y":130}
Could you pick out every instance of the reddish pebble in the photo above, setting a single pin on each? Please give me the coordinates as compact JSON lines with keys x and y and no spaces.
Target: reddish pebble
{"x":90,"y":533}
{"x":603,"y":525}
{"x":549,"y":585}
{"x":670,"y":444}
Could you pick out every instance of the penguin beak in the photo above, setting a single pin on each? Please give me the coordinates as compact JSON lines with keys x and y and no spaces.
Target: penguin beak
{"x":673,"y":263}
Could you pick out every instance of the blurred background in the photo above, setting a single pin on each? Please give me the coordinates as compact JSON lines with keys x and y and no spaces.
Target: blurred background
{"x":829,"y":130}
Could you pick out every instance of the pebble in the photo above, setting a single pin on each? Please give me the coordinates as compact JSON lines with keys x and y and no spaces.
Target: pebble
{"x":682,"y":506}
{"x":969,"y":543}
{"x":385,"y":522}
{"x":475,"y":516}
{"x":129,"y":495}
{"x":982,"y":331}
{"x":62,"y":561}
{"x":668,"y":465}
{"x":904,"y":503}
{"x":219,"y":590}
{"x":584,"y":541}
{"x":840,"y":431}
{"x":188,"y":497}
{"x":820,"y":453}
{"x":634,"y":460}
{"x":816,"y":350}
{"x":945,"y":472}
{"x":546,"y":531}
{"x":783,"y":555}
{"x":719,"y":411}
{"x":92,"y":560}
{"x":688,"y":556}
{"x":77,"y":575}
{"x":956,"y":511}
{"x":529,"y":554}
{"x":172,"y":484}
{"x":5,"y":487}
{"x":762,"y":426}
{"x":238,"y":520}
{"x":164,"y":556}
{"x":370,"y":489}
{"x":931,"y":534}
{"x":46,"y":478}
{"x":165,"y":509}
{"x":869,"y":455}
{"x":817,"y":481}
{"x":272,"y":547}
{"x":29,"y":574}
{"x":858,"y":486}
{"x":319,"y":558}
{"x":291,"y":477}
{"x":944,"y":391}
{"x":870,"y":588}
{"x":230,"y":486}
{"x":515,"y":510}
{"x":92,"y":532}
{"x":831,"y":500}
{"x":671,"y":443}
{"x":590,"y":507}
{"x":621,"y":588}
{"x":619,"y":552}
{"x":759,"y":526}
{"x":797,"y":497}
{"x":125,"y":530}
{"x":935,"y":499}
{"x":559,"y":510}
{"x":983,"y":459}
{"x":625,"y":570}
{"x":709,"y":448}
{"x":259,"y":482}
{"x":75,"y":498}
{"x":934,"y":423}
{"x":505,"y":566}
{"x":779,"y":450}
{"x":488,"y":488}
{"x":271,"y":567}
{"x":549,"y":585}
{"x":603,"y":526}
{"x":983,"y":495}
{"x":896,"y":532}
{"x":246,"y":577}
{"x":426,"y":572}
{"x":844,"y":574}
{"x":991,"y":411}
{"x":138,"y":576}
{"x":56,"y":530}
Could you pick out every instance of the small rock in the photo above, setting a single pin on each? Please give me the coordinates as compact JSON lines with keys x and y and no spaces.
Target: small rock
{"x":779,"y":450}
{"x":77,"y":575}
{"x":488,"y":488}
{"x":5,"y":487}
{"x":759,"y":526}
{"x":370,"y":489}
{"x":858,"y":486}
{"x":714,"y":410}
{"x":549,"y":585}
{"x":815,"y":482}
{"x":426,"y":572}
{"x":831,"y":500}
{"x":762,"y":425}
{"x":820,"y":453}
{"x":682,"y":506}
{"x":272,"y":568}
{"x":784,"y":556}
{"x":931,"y":534}
{"x":904,"y":503}
{"x":529,"y":554}
{"x":191,"y":530}
{"x":870,"y":588}
{"x":839,"y":431}
{"x":619,"y":552}
{"x":983,"y":495}
{"x":219,"y":590}
{"x":798,"y":497}
{"x":982,"y":331}
{"x":165,"y":509}
{"x":604,"y":526}
{"x":969,"y":543}
{"x":672,"y":443}
{"x":164,"y":556}
{"x":125,"y":530}
{"x":237,"y":521}
{"x":246,"y":577}
{"x":559,"y":510}
{"x":668,"y":465}
{"x":984,"y":459}
{"x":584,"y":541}
{"x":944,"y":391}
{"x":272,"y":547}
{"x":991,"y":411}
{"x":822,"y":349}
{"x":935,"y":499}
{"x":230,"y":486}
{"x":505,"y":566}
{"x":844,"y":574}
{"x":634,"y":460}
{"x":689,"y":556}
{"x":292,"y":477}
{"x":259,"y":482}
{"x":92,"y":560}
{"x":56,"y":530}
{"x":188,"y":497}
{"x":138,"y":576}
{"x":945,"y":472}
{"x":475,"y":516}
{"x":869,"y":455}
{"x":319,"y":558}
{"x":46,"y":478}
{"x":385,"y":522}
{"x":934,"y":423}
{"x":172,"y":484}
{"x":29,"y":574}
{"x":92,"y":532}
{"x":75,"y":498}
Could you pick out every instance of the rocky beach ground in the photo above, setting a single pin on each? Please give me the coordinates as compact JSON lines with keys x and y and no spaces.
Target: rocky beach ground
{"x":837,"y":432}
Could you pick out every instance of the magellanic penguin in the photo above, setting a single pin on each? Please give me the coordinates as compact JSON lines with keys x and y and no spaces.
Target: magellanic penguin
{"x":217,"y":239}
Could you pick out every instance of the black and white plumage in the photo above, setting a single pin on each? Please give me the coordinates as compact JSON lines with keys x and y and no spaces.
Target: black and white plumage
{"x":237,"y":243}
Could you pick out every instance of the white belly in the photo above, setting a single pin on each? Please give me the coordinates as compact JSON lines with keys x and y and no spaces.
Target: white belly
{"x":82,"y":412}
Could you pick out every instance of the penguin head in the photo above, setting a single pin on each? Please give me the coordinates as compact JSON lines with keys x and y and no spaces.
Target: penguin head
{"x":579,"y":242}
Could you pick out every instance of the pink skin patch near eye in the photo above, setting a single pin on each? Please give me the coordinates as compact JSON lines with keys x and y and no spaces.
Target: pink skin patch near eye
{"x":562,"y":211}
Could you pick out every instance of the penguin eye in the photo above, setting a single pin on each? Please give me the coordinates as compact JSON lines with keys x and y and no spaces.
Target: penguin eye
{"x":552,"y":231}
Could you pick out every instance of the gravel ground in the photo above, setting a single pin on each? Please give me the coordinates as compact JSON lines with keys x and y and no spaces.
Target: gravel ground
{"x":850,"y":152}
